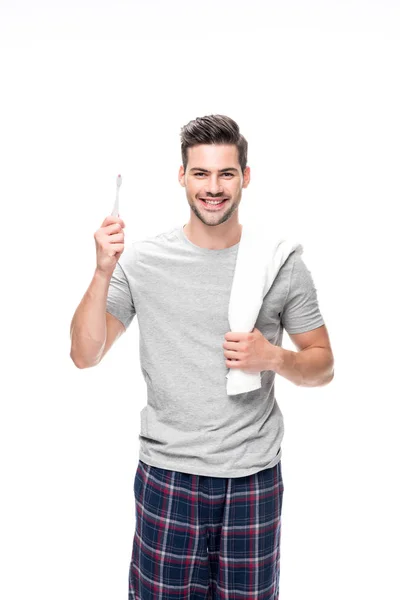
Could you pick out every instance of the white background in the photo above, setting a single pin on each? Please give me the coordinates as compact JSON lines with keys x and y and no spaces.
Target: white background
{"x":93,"y":89}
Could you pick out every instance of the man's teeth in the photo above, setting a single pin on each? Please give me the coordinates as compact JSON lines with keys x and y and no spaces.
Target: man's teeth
{"x":213,"y":201}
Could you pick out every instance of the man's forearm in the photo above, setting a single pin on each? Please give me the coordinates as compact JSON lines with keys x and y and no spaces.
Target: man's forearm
{"x":88,"y":327}
{"x":310,"y":367}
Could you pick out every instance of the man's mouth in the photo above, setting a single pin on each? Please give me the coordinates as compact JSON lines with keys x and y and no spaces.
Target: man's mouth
{"x":213,"y":204}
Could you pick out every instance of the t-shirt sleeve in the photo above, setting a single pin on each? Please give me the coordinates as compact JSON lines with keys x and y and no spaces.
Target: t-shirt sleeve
{"x":119,"y":299}
{"x":301,"y":311}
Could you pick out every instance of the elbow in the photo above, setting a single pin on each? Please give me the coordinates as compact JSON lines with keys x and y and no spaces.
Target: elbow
{"x":81,"y":365}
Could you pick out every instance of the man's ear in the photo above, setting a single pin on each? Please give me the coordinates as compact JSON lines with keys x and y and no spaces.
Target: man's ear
{"x":181,"y":176}
{"x":246,"y":177}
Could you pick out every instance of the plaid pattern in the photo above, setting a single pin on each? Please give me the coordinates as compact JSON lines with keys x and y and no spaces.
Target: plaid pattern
{"x":202,"y":538}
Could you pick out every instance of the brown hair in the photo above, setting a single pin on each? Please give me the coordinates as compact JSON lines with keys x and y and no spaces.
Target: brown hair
{"x":213,"y":129}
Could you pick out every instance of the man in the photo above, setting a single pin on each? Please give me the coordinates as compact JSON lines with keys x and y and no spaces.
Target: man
{"x":208,"y":486}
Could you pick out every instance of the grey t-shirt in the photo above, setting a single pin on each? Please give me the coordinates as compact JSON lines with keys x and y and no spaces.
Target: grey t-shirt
{"x":180,"y":294}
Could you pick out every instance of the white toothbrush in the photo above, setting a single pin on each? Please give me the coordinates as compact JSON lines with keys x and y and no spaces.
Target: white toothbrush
{"x":115,"y":211}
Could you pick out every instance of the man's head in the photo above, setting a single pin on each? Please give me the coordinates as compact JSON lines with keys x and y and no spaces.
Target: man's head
{"x":214,"y":157}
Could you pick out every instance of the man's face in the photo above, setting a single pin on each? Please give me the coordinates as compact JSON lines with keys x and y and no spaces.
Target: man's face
{"x":213,"y":172}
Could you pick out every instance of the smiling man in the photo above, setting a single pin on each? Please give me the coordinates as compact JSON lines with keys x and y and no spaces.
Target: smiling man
{"x":208,"y":486}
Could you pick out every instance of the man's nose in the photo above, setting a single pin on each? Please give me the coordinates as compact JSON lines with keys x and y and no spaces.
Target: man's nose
{"x":214,"y":186}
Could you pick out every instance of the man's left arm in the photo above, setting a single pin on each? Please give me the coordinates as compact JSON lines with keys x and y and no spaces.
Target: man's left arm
{"x":312,"y":365}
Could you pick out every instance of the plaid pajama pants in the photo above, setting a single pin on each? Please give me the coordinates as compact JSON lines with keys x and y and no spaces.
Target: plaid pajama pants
{"x":202,"y":538}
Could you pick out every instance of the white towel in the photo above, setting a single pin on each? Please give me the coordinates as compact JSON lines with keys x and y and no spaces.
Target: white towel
{"x":259,"y":258}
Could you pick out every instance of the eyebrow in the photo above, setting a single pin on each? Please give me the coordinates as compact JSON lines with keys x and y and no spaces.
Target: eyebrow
{"x":220,"y":171}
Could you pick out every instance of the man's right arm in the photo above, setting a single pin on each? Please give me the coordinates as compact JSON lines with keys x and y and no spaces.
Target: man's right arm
{"x":93,"y":330}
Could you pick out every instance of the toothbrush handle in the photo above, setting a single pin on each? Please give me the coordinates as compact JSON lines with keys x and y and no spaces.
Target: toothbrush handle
{"x":116,"y":205}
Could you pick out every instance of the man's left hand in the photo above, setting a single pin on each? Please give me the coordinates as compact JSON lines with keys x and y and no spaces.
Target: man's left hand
{"x":250,"y":351}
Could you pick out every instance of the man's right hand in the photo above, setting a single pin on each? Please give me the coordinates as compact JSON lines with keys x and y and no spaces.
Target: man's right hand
{"x":109,"y":240}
